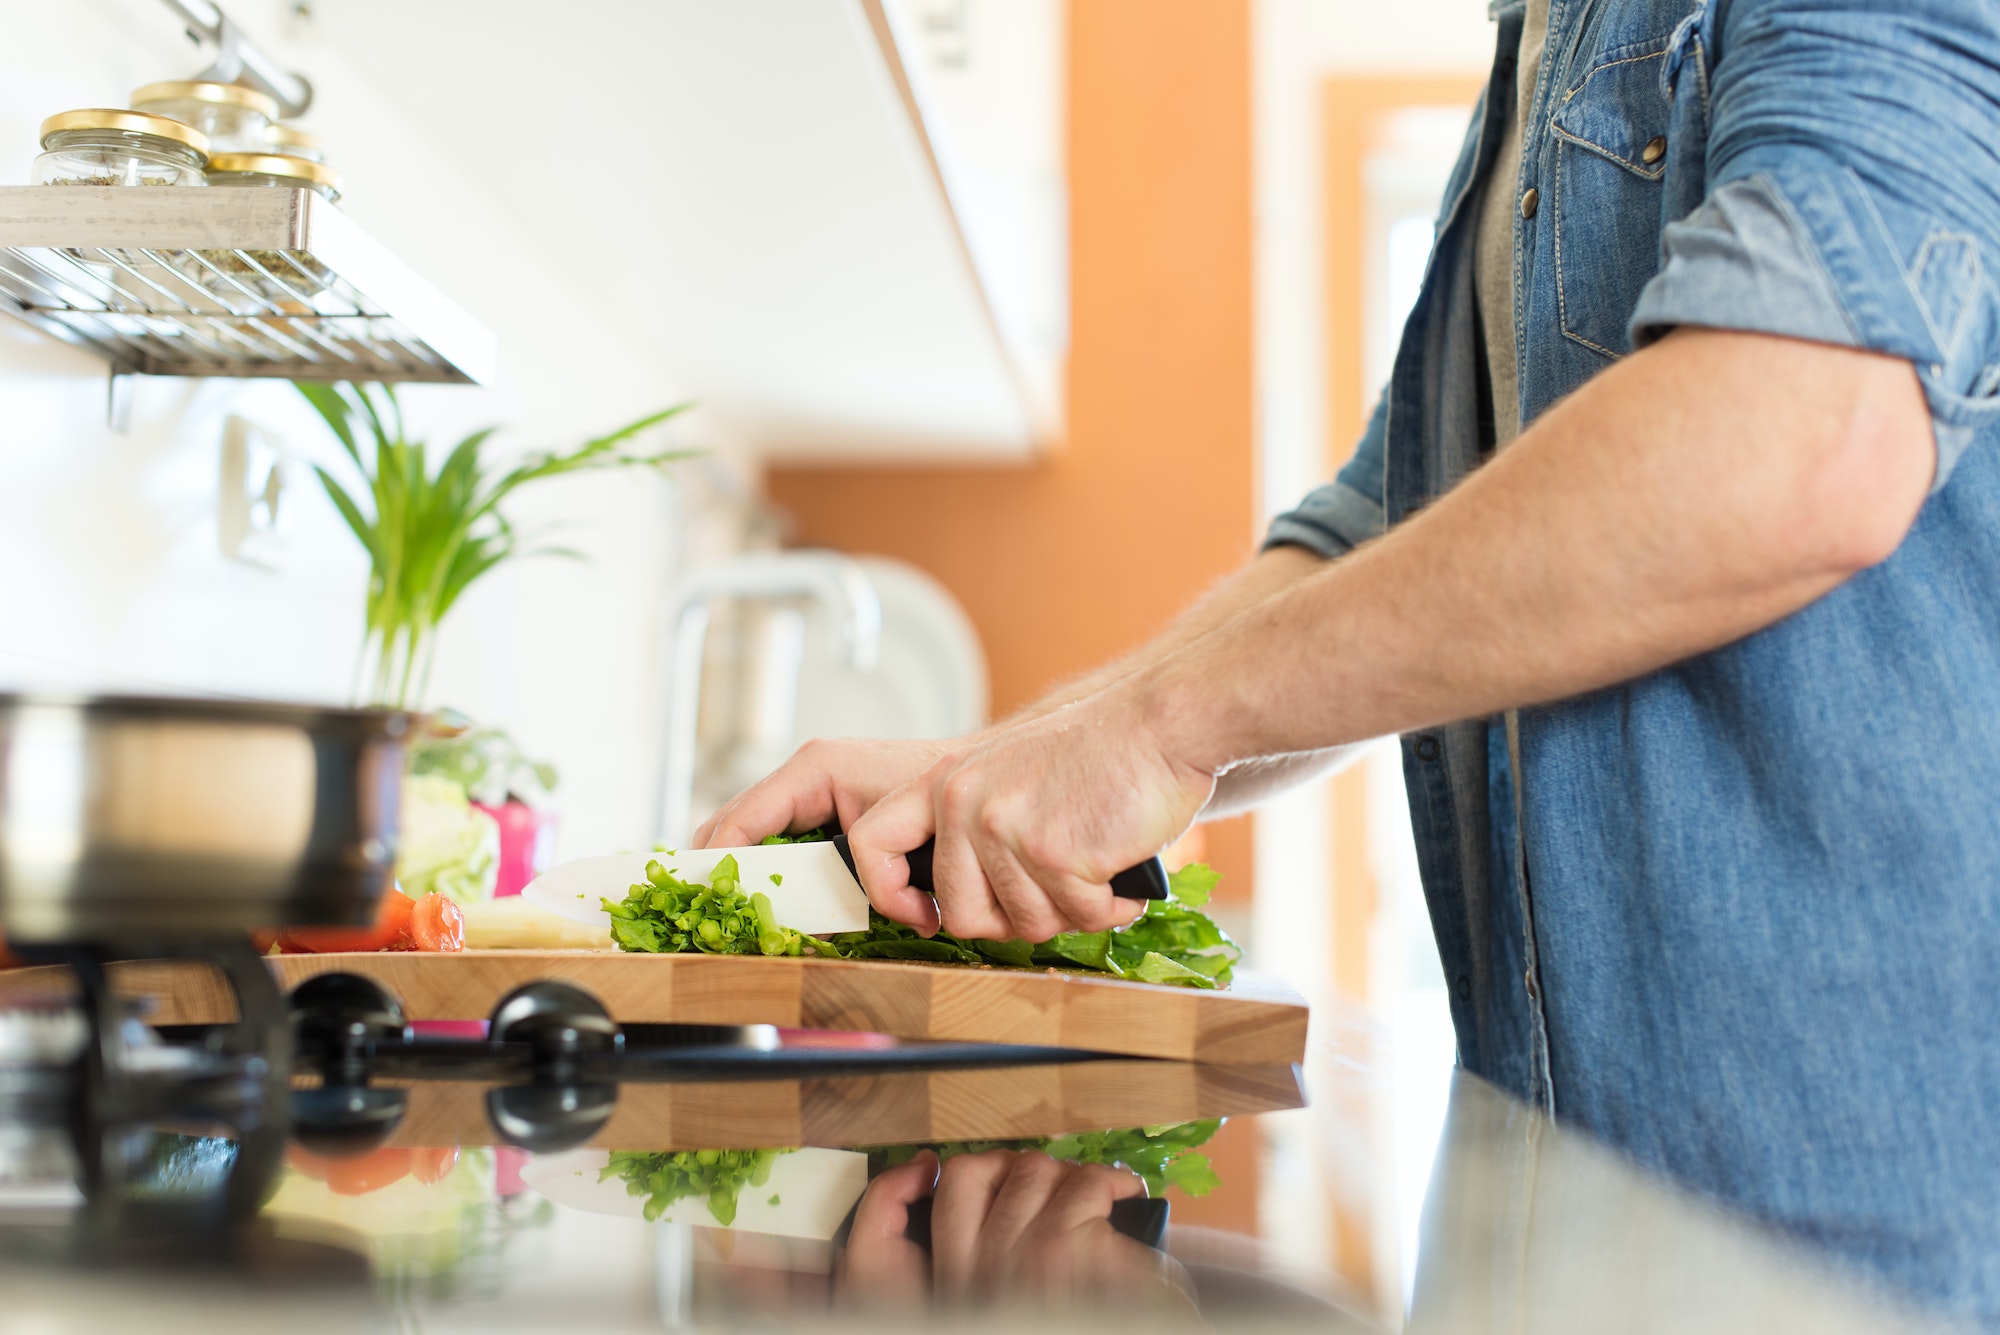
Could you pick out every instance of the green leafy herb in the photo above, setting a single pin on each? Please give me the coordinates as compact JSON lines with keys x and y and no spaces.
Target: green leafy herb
{"x":1165,"y":1156}
{"x":1193,"y":884}
{"x":717,"y":1175}
{"x":485,"y":762}
{"x":1173,"y":942}
{"x":809,"y":837}
{"x":664,"y":914}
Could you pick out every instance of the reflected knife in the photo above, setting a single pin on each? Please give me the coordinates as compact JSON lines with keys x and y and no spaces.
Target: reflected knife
{"x":813,"y":887}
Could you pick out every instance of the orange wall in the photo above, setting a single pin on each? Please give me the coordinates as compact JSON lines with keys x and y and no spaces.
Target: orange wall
{"x":1070,"y":561}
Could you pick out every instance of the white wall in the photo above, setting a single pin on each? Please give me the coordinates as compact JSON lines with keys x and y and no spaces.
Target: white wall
{"x":110,"y":575}
{"x":1298,"y":45}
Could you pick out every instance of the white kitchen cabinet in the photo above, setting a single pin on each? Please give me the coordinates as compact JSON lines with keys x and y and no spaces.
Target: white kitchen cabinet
{"x":839,"y":222}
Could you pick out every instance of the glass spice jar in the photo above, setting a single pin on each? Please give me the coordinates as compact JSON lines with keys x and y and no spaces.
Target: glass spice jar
{"x":294,"y":142}
{"x":274,"y":169}
{"x":235,"y":119}
{"x":281,"y":277}
{"x":101,"y":146}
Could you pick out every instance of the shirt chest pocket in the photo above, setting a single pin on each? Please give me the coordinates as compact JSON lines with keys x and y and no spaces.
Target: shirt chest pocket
{"x":1608,"y":150}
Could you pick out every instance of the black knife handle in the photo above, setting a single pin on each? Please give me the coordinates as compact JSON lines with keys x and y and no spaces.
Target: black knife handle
{"x":1147,"y":880}
{"x":1140,"y":1218}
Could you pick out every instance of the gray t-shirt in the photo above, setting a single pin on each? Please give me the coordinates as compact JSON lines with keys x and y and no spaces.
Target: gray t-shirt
{"x":1493,"y":256}
{"x":1493,"y":283}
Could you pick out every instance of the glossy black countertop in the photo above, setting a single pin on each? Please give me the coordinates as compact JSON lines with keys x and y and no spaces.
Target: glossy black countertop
{"x":842,"y":1181}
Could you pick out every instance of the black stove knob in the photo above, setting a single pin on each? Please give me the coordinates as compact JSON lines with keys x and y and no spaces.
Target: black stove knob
{"x":341,"y":1121}
{"x":340,"y":1021}
{"x":560,"y":1024}
{"x":546,"y":1118}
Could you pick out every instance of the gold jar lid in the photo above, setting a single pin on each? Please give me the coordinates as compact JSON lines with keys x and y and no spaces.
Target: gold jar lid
{"x":201,"y":90}
{"x":291,"y":136}
{"x":303,"y":170}
{"x":131,"y":122}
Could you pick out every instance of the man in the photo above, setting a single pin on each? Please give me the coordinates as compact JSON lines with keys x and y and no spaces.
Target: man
{"x":1673,"y":553}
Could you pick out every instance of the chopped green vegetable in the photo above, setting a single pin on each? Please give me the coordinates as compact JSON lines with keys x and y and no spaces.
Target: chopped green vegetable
{"x":773,"y":1200}
{"x":1165,"y":1156}
{"x":718,"y":1175}
{"x":1173,"y":942}
{"x":664,"y":914}
{"x":776,"y":879}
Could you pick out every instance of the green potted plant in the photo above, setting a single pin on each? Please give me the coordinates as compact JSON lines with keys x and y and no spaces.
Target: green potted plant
{"x":430,"y":534}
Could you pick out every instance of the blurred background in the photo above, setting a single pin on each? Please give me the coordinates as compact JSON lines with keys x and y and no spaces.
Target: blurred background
{"x":1007,"y":325}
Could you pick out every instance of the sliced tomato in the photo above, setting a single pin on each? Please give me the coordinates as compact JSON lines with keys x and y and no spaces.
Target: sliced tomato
{"x":437,"y":924}
{"x":367,"y":1172}
{"x":392,"y":921}
{"x":433,"y":1165}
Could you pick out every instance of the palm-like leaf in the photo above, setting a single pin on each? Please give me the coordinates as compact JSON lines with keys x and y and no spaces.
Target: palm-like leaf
{"x":433,"y":534}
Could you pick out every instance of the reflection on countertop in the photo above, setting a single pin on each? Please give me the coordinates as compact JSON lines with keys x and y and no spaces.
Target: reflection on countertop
{"x":1058,"y":1193}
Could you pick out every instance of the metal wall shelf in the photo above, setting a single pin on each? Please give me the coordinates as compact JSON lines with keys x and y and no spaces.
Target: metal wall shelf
{"x":227,"y":282}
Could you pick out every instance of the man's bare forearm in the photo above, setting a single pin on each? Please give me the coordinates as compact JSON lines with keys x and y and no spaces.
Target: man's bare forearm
{"x":1246,"y":784}
{"x":1695,"y":493}
{"x":1268,"y":573}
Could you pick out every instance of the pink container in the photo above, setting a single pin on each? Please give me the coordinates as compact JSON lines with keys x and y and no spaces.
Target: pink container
{"x":527,"y":838}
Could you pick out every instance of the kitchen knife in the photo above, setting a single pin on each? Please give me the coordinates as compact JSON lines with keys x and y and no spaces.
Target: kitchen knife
{"x":813,"y":887}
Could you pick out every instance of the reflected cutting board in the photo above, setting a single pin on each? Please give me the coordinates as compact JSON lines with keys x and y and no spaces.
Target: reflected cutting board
{"x":1255,"y":1021}
{"x":882,"y":1108}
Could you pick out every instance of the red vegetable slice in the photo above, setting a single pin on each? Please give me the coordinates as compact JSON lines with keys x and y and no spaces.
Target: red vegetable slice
{"x":392,"y":923}
{"x":438,"y":924}
{"x":431,"y":1166}
{"x":367,"y":1172}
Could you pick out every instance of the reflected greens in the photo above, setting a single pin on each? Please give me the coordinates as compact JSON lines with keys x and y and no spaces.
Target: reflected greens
{"x":1165,"y":1156}
{"x":717,"y":1175}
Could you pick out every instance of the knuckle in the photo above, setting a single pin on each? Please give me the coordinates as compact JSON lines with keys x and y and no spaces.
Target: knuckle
{"x":958,"y":792}
{"x":1038,"y":849}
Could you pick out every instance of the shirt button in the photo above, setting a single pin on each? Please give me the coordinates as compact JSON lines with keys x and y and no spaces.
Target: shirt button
{"x":1529,"y":199}
{"x":1655,"y":149}
{"x":1427,"y":748}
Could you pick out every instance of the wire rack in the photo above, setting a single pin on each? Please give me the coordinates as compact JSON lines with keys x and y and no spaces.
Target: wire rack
{"x":227,"y":282}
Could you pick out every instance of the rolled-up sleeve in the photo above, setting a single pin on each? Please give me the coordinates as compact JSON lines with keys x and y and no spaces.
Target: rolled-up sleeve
{"x":1347,"y":511}
{"x":1853,"y":182}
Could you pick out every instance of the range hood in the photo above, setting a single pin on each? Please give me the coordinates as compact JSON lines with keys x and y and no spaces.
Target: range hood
{"x":760,"y":193}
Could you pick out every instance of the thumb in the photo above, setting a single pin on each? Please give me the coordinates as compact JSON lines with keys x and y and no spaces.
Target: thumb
{"x":879,"y":840}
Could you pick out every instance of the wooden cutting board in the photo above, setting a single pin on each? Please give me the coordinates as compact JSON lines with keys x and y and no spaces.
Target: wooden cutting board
{"x":1255,"y":1021}
{"x":889,"y":1108}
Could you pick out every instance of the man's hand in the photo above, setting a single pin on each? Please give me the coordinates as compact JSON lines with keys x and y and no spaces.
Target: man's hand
{"x":880,"y":1267}
{"x":1032,"y":823}
{"x":1006,"y":1227}
{"x":826,"y":779}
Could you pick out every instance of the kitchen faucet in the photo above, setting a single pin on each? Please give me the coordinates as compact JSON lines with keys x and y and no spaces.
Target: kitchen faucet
{"x":829,"y":579}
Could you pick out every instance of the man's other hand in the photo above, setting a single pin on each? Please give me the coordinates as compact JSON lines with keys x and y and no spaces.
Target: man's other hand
{"x":826,"y":779}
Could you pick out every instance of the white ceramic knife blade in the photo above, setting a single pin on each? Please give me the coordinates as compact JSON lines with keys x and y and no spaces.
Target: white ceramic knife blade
{"x":811,"y":889}
{"x":808,"y":1194}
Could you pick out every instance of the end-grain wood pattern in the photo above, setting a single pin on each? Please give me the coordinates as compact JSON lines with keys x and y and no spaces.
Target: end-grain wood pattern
{"x":1255,"y":1022}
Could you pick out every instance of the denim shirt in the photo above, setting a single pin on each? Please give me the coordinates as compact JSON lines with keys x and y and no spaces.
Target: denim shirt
{"x":1758,"y":943}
